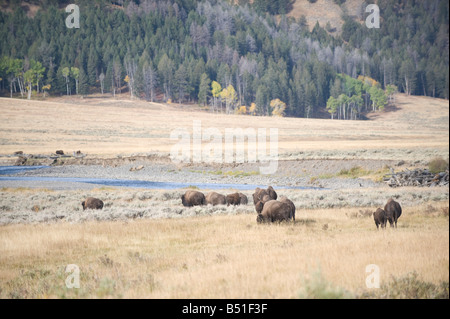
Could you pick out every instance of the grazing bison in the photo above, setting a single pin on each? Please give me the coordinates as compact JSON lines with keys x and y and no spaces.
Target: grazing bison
{"x":193,"y":198}
{"x":393,"y":211}
{"x":380,"y":218}
{"x":260,"y":193}
{"x":214,"y":199}
{"x":260,"y":204}
{"x":273,"y":211}
{"x":233,"y":199}
{"x":286,"y":200}
{"x":244,"y":199}
{"x":92,"y":203}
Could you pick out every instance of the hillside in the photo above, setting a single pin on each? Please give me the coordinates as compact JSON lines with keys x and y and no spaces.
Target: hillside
{"x":416,"y":130}
{"x":229,"y":57}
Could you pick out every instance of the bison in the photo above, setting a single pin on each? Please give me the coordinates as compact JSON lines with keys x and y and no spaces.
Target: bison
{"x":233,"y":199}
{"x":244,"y":199}
{"x":260,"y":204}
{"x":214,"y":199}
{"x":92,"y":203}
{"x":273,"y":211}
{"x":193,"y":198}
{"x":260,"y":193}
{"x":380,"y":218}
{"x":286,"y":200}
{"x":393,"y":212}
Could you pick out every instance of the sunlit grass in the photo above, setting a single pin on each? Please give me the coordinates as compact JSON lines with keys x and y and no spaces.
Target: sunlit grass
{"x":323,"y":254}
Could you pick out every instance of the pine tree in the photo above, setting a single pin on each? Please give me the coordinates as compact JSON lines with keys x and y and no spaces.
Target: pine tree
{"x":181,"y":83}
{"x":92,"y":66}
{"x":166,"y":69}
{"x":83,"y":82}
{"x":109,"y":78}
{"x":203,"y":89}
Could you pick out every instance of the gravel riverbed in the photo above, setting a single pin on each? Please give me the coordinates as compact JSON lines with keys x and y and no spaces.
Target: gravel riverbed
{"x":299,"y":174}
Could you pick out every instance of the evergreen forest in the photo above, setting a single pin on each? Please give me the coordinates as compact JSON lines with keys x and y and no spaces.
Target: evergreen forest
{"x":232,"y":56}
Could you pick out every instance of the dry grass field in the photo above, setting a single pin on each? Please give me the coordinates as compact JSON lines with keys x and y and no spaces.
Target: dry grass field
{"x":140,"y":246}
{"x":419,"y":127}
{"x":324,"y":254}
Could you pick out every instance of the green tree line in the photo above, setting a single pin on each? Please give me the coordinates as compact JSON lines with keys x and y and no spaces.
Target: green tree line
{"x":180,"y":50}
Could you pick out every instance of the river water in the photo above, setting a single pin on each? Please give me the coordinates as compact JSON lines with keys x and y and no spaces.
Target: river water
{"x":7,"y":173}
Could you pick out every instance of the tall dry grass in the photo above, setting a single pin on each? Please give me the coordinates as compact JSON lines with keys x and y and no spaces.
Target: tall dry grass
{"x":223,"y":256}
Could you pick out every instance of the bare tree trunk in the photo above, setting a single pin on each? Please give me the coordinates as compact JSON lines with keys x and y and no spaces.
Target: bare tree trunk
{"x":101,"y":78}
{"x":20,"y":87}
{"x":29,"y":91}
{"x":131,"y":68}
{"x":11,"y":84}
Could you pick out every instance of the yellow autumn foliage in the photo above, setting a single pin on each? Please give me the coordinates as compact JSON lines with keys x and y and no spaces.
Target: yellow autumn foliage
{"x":241,"y":110}
{"x":278,"y":107}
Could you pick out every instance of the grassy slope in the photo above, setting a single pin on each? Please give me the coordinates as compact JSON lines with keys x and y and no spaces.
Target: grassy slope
{"x":107,"y":127}
{"x":324,"y":11}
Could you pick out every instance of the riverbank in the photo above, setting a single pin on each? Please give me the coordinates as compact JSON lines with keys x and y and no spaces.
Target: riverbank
{"x":330,"y":174}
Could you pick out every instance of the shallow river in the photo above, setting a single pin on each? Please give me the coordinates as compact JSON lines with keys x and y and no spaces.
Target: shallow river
{"x":7,"y":174}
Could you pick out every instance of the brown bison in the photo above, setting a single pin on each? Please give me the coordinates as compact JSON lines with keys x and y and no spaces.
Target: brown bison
{"x":273,"y":211}
{"x":260,"y":193}
{"x":214,"y":199}
{"x":233,"y":199}
{"x":260,"y":204}
{"x":92,"y":203}
{"x":193,"y":198}
{"x":380,"y":218}
{"x":286,"y":200}
{"x":393,"y":212}
{"x":244,"y":199}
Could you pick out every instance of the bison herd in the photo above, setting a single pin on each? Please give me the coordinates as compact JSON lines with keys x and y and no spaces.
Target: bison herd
{"x":268,"y":207}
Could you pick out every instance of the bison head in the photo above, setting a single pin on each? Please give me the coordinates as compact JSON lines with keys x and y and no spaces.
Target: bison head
{"x":272,"y":192}
{"x":259,"y":219}
{"x":259,"y":207}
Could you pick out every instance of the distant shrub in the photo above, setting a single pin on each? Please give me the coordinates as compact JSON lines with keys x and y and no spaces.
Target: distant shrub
{"x":318,"y":287}
{"x":354,"y":172}
{"x":437,"y":165}
{"x":410,"y":287}
{"x":241,"y":110}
